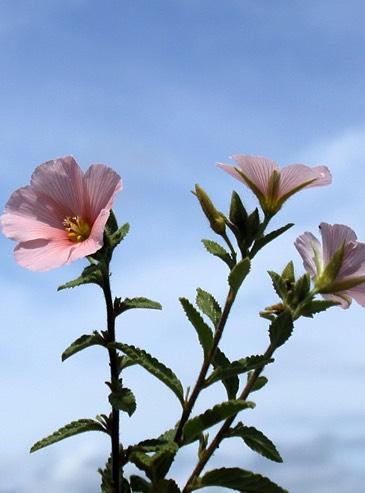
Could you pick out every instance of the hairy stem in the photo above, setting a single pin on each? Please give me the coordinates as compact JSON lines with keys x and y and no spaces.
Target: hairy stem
{"x":114,"y":375}
{"x":208,"y":358}
{"x":226,"y":425}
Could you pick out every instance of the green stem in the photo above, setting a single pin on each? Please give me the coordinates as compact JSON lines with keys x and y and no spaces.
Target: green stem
{"x":114,"y":376}
{"x":208,"y":358}
{"x":226,"y":425}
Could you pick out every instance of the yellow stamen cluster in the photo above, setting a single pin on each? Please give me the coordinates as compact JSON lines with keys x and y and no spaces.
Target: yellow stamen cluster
{"x":77,"y":228}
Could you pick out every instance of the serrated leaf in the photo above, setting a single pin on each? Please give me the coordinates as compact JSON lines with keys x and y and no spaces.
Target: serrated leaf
{"x":208,"y":305}
{"x":256,"y":440}
{"x":83,"y":342}
{"x":203,"y":330}
{"x":71,"y":429}
{"x":153,"y":366}
{"x":119,"y":235}
{"x":239,"y":273}
{"x":317,"y":306}
{"x":90,"y":275}
{"x":121,"y":306}
{"x":281,"y":329}
{"x":167,"y":486}
{"x":140,"y":485}
{"x":237,"y":367}
{"x":288,"y":273}
{"x":302,"y":288}
{"x":261,"y":242}
{"x":157,"y":465}
{"x":260,"y":382}
{"x":231,"y":384}
{"x":195,"y":426}
{"x":124,"y":400}
{"x":237,"y":479}
{"x":218,"y":251}
{"x":279,"y":284}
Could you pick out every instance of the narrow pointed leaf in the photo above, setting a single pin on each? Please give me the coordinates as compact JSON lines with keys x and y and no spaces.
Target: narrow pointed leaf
{"x":124,"y":400}
{"x":281,"y":329}
{"x":279,"y":284}
{"x":74,"y":428}
{"x":140,"y":485}
{"x":238,"y":274}
{"x":153,"y":366}
{"x":260,"y":243}
{"x":317,"y":306}
{"x":218,"y":251}
{"x":121,"y":306}
{"x":203,"y":330}
{"x":195,"y":426}
{"x":237,"y":367}
{"x":256,"y":440}
{"x":238,"y":214}
{"x":301,"y":288}
{"x":83,"y":342}
{"x":231,"y":383}
{"x":208,"y":305}
{"x":119,"y":235}
{"x":238,"y":479}
{"x":90,"y":275}
{"x":167,"y":486}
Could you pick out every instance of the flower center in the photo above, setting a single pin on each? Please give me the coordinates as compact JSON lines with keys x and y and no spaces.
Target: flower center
{"x":77,"y":228}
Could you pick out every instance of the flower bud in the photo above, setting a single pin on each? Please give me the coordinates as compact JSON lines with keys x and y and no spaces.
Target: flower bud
{"x":215,"y":218}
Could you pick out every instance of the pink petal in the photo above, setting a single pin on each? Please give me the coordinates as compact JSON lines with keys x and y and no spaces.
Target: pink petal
{"x":42,"y":255}
{"x":333,"y":237}
{"x":353,"y":264}
{"x":101,"y":185}
{"x":62,"y":181}
{"x":295,"y":175}
{"x":84,"y":248}
{"x":257,"y":169}
{"x":345,"y":302}
{"x":358,"y":293}
{"x":308,"y":246}
{"x":232,"y":171}
{"x":28,"y":217}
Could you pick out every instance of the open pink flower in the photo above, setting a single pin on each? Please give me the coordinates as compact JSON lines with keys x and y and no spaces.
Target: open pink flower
{"x":272,"y":185}
{"x":60,"y":217}
{"x":337,"y":265}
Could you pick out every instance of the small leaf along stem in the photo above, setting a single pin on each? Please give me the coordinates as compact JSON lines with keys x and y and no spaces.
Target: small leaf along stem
{"x":189,"y":404}
{"x":114,"y":376}
{"x":206,"y":455}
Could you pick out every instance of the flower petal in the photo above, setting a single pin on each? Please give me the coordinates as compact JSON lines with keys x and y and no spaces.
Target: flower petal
{"x":358,"y":293}
{"x":232,"y":171}
{"x":101,"y":185}
{"x":42,"y":255}
{"x":257,"y":169}
{"x":333,"y":237}
{"x":344,"y":300}
{"x":353,"y":263}
{"x":294,"y":176}
{"x":61,"y":181}
{"x":310,"y":250}
{"x":28,"y":216}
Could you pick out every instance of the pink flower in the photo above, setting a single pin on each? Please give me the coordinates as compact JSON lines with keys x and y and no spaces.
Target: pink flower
{"x":272,"y":185}
{"x":60,"y":217}
{"x":338,"y":265}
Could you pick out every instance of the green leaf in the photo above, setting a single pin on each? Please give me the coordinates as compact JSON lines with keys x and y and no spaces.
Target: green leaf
{"x":238,"y":214}
{"x":121,"y":306}
{"x":279,"y":284}
{"x":261,"y":242}
{"x":237,"y":367}
{"x":288,"y":273}
{"x":209,"y":306}
{"x":83,"y":342}
{"x":256,"y":440}
{"x":238,"y":274}
{"x":153,"y":366}
{"x":281,"y":329}
{"x":195,"y":426}
{"x":74,"y":428}
{"x":231,"y":384}
{"x":111,"y":224}
{"x":119,"y":235}
{"x":166,"y":486}
{"x":124,"y":400}
{"x":90,"y":275}
{"x":237,"y":479}
{"x":203,"y":330}
{"x":260,"y":382}
{"x":253,"y":226}
{"x":301,"y":288}
{"x":140,"y":485}
{"x":218,"y":251}
{"x":157,"y":465}
{"x":316,"y":306}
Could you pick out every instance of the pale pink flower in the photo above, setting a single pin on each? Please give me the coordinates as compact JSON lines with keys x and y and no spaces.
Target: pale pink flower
{"x":61,"y":215}
{"x":273,"y":185}
{"x":337,"y":265}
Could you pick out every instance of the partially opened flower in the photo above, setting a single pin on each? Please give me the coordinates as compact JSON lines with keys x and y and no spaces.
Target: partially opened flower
{"x":337,"y":265}
{"x":273,"y":185}
{"x":60,"y":217}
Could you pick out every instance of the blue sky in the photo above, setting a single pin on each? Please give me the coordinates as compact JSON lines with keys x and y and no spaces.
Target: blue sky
{"x":161,"y":91}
